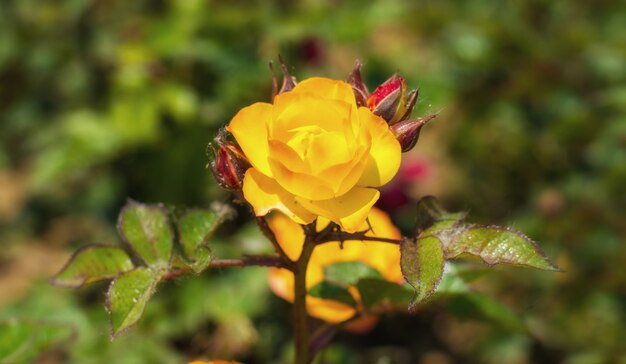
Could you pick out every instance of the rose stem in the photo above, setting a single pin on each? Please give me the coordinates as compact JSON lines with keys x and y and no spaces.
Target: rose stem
{"x":300,"y":320}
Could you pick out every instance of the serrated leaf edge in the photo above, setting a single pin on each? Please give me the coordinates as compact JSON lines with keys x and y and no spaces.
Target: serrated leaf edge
{"x":533,"y":244}
{"x":130,"y":203}
{"x":151,"y":290}
{"x":74,"y":255}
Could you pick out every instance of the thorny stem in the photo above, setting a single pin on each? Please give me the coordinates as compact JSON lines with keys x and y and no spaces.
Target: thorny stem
{"x":300,"y":319}
{"x":360,"y":236}
{"x":269,"y":234}
{"x":259,"y":261}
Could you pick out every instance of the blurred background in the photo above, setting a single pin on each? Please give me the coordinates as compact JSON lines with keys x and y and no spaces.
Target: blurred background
{"x":105,"y":100}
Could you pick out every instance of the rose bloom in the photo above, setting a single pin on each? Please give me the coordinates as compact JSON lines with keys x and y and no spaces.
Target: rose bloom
{"x":315,"y":153}
{"x":383,"y":257}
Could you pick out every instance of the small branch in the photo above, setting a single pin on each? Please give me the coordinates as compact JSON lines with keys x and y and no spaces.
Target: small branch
{"x":269,"y":234}
{"x":257,"y":261}
{"x":325,"y":334}
{"x":360,"y":236}
{"x":300,"y":315}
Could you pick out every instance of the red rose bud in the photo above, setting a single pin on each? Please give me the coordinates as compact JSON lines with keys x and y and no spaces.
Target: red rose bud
{"x":390,"y":100}
{"x":360,"y":90}
{"x":407,"y":132}
{"x":229,"y":165}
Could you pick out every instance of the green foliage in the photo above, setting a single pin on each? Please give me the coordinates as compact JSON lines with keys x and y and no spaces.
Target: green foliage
{"x":147,"y":231}
{"x":195,"y":228}
{"x":377,"y":292}
{"x":128,"y":295}
{"x":93,"y":263}
{"x":497,"y":245}
{"x":349,"y":273}
{"x":23,"y":341}
{"x":333,"y":291}
{"x":422,"y":262}
{"x":441,"y":236}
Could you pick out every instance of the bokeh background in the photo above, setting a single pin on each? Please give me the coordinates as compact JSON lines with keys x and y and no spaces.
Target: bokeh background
{"x":104,"y":100}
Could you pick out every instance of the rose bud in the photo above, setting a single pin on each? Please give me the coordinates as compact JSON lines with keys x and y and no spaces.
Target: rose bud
{"x":229,"y":164}
{"x":407,"y":132}
{"x":360,"y":90}
{"x":390,"y":100}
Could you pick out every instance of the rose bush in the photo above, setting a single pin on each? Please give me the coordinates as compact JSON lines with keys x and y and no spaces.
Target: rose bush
{"x":314,"y":152}
{"x":383,"y":257}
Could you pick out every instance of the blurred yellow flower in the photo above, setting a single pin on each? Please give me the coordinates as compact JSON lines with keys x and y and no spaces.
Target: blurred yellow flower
{"x":315,"y":153}
{"x":383,"y":257}
{"x":214,"y":362}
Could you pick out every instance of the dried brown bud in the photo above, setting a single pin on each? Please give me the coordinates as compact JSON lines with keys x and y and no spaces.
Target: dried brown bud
{"x":407,"y":132}
{"x":229,"y":164}
{"x":360,"y":89}
{"x":289,"y":81}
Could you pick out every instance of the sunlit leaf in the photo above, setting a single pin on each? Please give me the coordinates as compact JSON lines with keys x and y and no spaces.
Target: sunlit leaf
{"x":147,"y":230}
{"x":422,"y":263}
{"x":376,"y":292}
{"x":331,"y":291}
{"x":498,"y":245}
{"x":127,"y":297}
{"x":195,"y":228}
{"x":93,"y":263}
{"x":349,"y":273}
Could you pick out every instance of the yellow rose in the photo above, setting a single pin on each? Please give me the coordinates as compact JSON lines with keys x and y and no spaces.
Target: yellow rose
{"x":383,"y":257}
{"x":315,"y":153}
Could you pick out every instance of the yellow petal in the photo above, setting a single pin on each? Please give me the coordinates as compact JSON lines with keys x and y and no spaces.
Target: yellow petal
{"x":281,"y":283}
{"x":349,"y":210}
{"x":327,"y":89}
{"x":290,"y":235}
{"x":328,"y":310}
{"x":249,"y":127}
{"x":385,"y":152}
{"x":300,"y":184}
{"x":301,"y":111}
{"x":265,"y":195}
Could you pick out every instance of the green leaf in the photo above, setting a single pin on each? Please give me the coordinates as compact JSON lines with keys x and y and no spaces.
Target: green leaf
{"x":498,"y":245}
{"x":93,"y":263}
{"x":127,"y":297}
{"x":479,"y":306}
{"x":422,"y":263}
{"x":430,"y":212}
{"x":349,"y":273}
{"x":376,"y":292}
{"x":147,"y":230}
{"x":195,"y":228}
{"x":332,"y":291}
{"x":23,"y":341}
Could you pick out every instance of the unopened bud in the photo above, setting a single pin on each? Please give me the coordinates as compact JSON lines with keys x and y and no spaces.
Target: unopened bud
{"x":390,"y":100}
{"x":229,"y":164}
{"x":358,"y":87}
{"x":407,"y":132}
